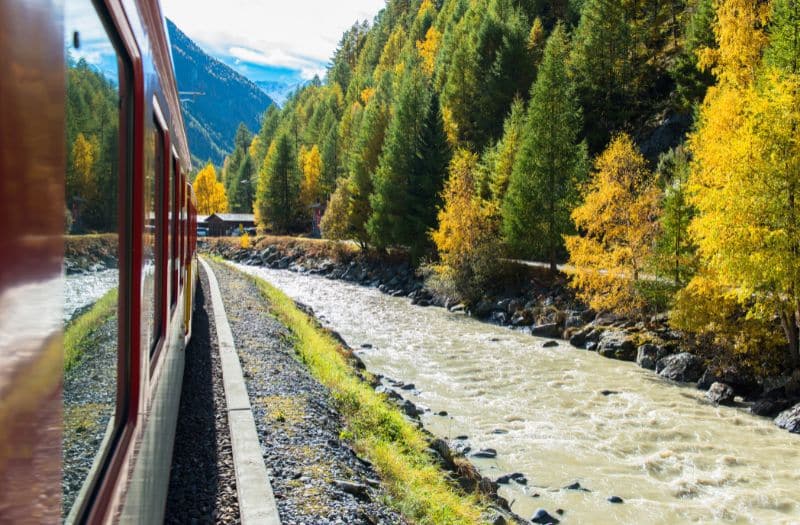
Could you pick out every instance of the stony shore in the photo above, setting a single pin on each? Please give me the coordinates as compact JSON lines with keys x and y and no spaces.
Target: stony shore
{"x":546,"y":308}
{"x":317,"y":476}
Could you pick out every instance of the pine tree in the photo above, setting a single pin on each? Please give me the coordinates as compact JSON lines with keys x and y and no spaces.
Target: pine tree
{"x":277,"y":196}
{"x":602,"y":58}
{"x":411,"y":168}
{"x":242,"y":192}
{"x":504,"y":154}
{"x":675,"y":254}
{"x":692,"y":81}
{"x":550,"y":164}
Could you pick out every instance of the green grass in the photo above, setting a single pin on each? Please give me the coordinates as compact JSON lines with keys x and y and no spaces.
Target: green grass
{"x":77,"y":334}
{"x":378,"y":430}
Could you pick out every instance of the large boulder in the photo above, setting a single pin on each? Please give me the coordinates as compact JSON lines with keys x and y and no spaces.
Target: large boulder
{"x":647,"y":356}
{"x":617,"y":345}
{"x":790,"y":419}
{"x":551,"y":330}
{"x":684,"y":367}
{"x":720,"y":394}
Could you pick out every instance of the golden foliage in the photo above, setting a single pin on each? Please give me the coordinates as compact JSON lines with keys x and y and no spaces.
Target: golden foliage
{"x":468,"y":229}
{"x":429,"y":48}
{"x":311,"y":168}
{"x":367,"y":94}
{"x":84,"y":156}
{"x":254,"y":147}
{"x":740,"y":35}
{"x":619,"y":220}
{"x":210,"y":193}
{"x":244,"y":241}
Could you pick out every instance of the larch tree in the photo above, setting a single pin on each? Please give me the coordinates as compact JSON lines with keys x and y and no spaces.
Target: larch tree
{"x":618,"y":221}
{"x":550,"y":164}
{"x":467,"y":237}
{"x":277,"y":196}
{"x":501,"y":158}
{"x":311,"y":170}
{"x":745,"y":174}
{"x":210,"y":192}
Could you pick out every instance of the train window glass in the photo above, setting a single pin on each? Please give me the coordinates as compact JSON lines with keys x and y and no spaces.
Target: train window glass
{"x":155,"y":289}
{"x":92,"y":229}
{"x":173,"y":229}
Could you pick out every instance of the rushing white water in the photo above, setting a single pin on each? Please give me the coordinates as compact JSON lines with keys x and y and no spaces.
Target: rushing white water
{"x":84,"y":289}
{"x":670,"y":455}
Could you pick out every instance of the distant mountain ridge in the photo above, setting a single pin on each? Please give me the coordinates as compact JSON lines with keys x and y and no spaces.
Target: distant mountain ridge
{"x":228,"y":98}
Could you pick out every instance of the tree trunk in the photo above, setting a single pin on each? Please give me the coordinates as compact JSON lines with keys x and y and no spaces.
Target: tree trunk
{"x":792,"y":331}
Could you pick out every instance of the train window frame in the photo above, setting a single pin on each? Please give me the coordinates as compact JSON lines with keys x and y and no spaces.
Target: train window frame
{"x":115,"y":437}
{"x":175,"y":217}
{"x":161,"y":279}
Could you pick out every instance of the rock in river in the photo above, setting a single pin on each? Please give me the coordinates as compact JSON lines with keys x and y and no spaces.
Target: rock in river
{"x":485,"y":453}
{"x":684,"y":367}
{"x":720,"y":394}
{"x":790,"y":419}
{"x":647,"y":356}
{"x":544,"y":517}
{"x":617,"y":345}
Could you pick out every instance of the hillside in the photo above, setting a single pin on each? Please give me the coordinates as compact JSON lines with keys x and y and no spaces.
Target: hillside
{"x":228,"y":99}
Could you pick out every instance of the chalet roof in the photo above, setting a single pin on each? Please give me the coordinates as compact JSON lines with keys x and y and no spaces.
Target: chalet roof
{"x":233,"y":217}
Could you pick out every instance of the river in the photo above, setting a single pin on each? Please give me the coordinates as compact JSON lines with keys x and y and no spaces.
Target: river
{"x":82,"y":290}
{"x":671,"y":456}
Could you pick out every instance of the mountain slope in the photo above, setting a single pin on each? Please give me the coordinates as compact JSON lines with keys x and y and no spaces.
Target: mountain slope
{"x":228,"y":98}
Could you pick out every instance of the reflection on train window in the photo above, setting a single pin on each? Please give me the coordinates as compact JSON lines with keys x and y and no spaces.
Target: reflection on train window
{"x":174,"y":217}
{"x":153,"y":321}
{"x":91,"y":263}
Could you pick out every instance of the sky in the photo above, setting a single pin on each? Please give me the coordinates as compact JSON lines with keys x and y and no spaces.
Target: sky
{"x":284,"y":41}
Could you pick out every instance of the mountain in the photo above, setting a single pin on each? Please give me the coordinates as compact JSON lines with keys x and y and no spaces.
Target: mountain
{"x":279,"y":91}
{"x":227,"y":99}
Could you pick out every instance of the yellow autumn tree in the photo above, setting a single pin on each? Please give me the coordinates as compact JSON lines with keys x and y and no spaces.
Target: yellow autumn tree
{"x":210,"y":192}
{"x":467,"y":237}
{"x":618,"y":219}
{"x":84,"y":156}
{"x":311,"y":168}
{"x":745,"y":184}
{"x":428,"y":49}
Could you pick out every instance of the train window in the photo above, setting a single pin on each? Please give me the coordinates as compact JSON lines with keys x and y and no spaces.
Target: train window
{"x":156,"y":280}
{"x":92,"y":226}
{"x":173,"y":228}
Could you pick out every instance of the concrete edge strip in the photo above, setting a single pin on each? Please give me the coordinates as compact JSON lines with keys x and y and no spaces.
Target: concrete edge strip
{"x":256,"y":501}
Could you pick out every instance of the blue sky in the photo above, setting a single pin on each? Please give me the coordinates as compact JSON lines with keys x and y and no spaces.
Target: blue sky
{"x":270,"y":40}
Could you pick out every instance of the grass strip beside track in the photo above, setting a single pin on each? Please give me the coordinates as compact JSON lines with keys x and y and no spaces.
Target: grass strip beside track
{"x":78,"y":331}
{"x":397,"y":449}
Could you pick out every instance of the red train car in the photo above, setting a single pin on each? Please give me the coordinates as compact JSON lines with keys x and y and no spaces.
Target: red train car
{"x":97,"y":267}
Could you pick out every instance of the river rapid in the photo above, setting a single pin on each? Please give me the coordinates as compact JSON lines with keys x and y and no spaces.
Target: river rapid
{"x":671,"y":456}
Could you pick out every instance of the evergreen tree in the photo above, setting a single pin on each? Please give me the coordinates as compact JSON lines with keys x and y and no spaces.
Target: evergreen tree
{"x":242,"y":187}
{"x":784,"y":30}
{"x":675,"y":254}
{"x":692,"y":81}
{"x":411,"y":168}
{"x":603,"y":49}
{"x":269,"y":126}
{"x":277,"y":195}
{"x":550,"y":164}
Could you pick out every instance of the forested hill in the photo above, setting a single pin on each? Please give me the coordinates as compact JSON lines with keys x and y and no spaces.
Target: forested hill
{"x":229,"y":99}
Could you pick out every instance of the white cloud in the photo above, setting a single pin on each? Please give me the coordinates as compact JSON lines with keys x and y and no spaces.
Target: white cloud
{"x":300,"y":34}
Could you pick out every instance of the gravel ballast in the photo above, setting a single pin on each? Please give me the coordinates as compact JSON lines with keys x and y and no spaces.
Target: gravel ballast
{"x":89,"y":397}
{"x":202,"y":487}
{"x":317,"y":478}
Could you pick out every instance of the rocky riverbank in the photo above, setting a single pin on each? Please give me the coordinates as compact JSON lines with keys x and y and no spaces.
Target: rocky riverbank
{"x":545,"y":307}
{"x":90,"y":253}
{"x":317,"y":476}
